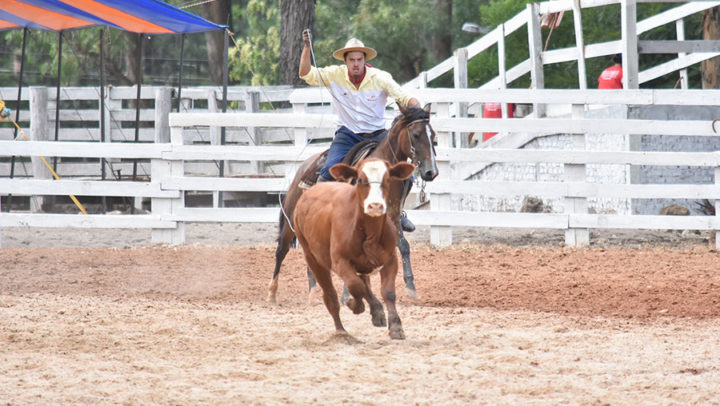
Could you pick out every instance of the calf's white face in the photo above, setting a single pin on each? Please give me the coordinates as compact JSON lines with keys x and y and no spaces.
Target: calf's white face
{"x":374,"y":204}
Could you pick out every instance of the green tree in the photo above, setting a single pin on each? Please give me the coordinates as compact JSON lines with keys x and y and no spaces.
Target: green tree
{"x":255,"y":57}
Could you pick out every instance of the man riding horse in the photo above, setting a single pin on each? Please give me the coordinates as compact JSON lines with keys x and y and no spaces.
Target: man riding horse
{"x":359,"y":96}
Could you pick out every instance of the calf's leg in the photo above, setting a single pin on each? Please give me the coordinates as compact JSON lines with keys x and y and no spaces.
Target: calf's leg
{"x":354,"y":284}
{"x":324,"y":279}
{"x":376,"y":309}
{"x":387,"y":281}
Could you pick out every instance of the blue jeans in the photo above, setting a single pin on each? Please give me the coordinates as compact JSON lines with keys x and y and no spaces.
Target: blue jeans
{"x":341,"y":144}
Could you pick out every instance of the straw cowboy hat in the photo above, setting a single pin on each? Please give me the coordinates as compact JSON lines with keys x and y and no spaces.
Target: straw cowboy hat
{"x":353,"y":45}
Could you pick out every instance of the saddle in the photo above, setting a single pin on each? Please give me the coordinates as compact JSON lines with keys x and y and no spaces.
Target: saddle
{"x":357,"y":153}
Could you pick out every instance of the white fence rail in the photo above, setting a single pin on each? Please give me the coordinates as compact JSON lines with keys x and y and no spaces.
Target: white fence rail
{"x":171,"y":180}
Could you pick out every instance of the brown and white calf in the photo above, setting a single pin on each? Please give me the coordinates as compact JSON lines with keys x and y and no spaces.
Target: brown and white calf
{"x":344,"y":228}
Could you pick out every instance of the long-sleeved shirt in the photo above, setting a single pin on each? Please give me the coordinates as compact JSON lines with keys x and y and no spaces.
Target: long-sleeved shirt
{"x":361,"y":110}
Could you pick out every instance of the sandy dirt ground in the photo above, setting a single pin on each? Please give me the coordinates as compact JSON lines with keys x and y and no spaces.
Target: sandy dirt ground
{"x":104,"y":317}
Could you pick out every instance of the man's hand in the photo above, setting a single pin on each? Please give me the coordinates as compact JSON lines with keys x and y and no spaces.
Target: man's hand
{"x":304,"y":67}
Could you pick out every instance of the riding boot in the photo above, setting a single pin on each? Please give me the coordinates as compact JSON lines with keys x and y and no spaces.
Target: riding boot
{"x":406,"y":224}
{"x":321,"y":178}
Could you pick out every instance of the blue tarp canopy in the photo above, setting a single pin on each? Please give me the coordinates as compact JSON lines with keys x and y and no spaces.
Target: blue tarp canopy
{"x":139,"y":16}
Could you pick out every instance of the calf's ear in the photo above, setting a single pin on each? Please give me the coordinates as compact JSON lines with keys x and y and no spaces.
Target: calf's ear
{"x":401,"y":170}
{"x":343,"y":173}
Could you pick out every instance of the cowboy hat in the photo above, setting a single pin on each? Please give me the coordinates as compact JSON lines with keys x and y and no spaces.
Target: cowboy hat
{"x":354,"y":45}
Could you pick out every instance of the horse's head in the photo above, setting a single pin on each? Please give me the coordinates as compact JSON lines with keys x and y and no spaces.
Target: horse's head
{"x":418,"y":145}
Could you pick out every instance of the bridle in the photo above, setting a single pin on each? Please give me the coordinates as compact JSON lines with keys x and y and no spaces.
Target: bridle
{"x":410,"y":141}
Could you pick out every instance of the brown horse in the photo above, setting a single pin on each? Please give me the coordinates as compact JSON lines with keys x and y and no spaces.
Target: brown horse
{"x":410,"y":137}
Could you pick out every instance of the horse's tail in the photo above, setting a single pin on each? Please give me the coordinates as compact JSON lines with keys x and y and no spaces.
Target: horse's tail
{"x":282,"y":224}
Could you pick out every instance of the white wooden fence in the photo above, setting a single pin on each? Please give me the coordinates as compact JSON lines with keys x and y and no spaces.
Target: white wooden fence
{"x":630,"y":44}
{"x":80,"y":115}
{"x":170,"y":180}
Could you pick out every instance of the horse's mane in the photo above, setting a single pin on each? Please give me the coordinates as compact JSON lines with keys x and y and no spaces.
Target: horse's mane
{"x":411,"y":114}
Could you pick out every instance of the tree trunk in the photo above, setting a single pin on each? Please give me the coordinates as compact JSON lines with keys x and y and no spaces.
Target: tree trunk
{"x":442,"y":37}
{"x":131,"y":58}
{"x":296,"y":15}
{"x":217,"y":11}
{"x":711,"y":31}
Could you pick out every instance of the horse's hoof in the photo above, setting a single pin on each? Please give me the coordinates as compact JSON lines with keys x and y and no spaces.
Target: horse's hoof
{"x":397,"y":333}
{"x":411,"y":293}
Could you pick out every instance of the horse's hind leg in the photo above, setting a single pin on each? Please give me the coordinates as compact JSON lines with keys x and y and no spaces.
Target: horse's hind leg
{"x":284,"y":241}
{"x":408,"y":276}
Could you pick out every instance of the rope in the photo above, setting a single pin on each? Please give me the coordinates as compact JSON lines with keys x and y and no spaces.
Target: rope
{"x":6,"y":113}
{"x":197,"y":3}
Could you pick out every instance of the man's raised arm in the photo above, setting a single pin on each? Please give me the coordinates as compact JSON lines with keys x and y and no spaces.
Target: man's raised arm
{"x":305,"y":56}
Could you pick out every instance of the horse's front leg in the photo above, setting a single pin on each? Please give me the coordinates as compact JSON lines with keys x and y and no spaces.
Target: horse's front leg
{"x":408,"y":276}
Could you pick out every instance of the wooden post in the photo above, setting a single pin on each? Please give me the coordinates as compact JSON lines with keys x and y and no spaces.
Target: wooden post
{"x":252,"y":105}
{"x":165,"y":207}
{"x":717,"y":209}
{"x":441,"y":236}
{"x":461,"y":82}
{"x":39,"y":132}
{"x":300,"y":141}
{"x":423,"y":81}
{"x":579,"y":44}
{"x":680,"y":30}
{"x":576,"y":173}
{"x":113,"y":128}
{"x":535,"y":47}
{"x":629,"y":41}
{"x":163,"y":105}
{"x":502,"y":75}
{"x":215,"y":135}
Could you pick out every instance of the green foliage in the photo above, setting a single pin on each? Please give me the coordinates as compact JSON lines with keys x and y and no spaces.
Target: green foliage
{"x":255,"y":57}
{"x":409,"y":23}
{"x":41,"y":58}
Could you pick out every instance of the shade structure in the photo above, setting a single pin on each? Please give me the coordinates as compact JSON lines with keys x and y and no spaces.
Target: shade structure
{"x":139,"y":16}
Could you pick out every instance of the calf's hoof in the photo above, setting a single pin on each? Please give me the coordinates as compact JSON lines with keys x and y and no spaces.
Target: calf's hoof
{"x":342,"y":337}
{"x":378,"y":319}
{"x":357,"y":307}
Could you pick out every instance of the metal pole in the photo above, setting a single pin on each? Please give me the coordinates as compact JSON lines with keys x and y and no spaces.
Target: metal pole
{"x":137,"y":108}
{"x":57,"y":94}
{"x":17,"y":110}
{"x":138,"y":75}
{"x":102,"y":110}
{"x":226,"y":44}
{"x":180,"y":75}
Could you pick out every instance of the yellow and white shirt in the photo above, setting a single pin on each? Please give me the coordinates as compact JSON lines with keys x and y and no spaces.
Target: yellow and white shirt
{"x":361,"y":110}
